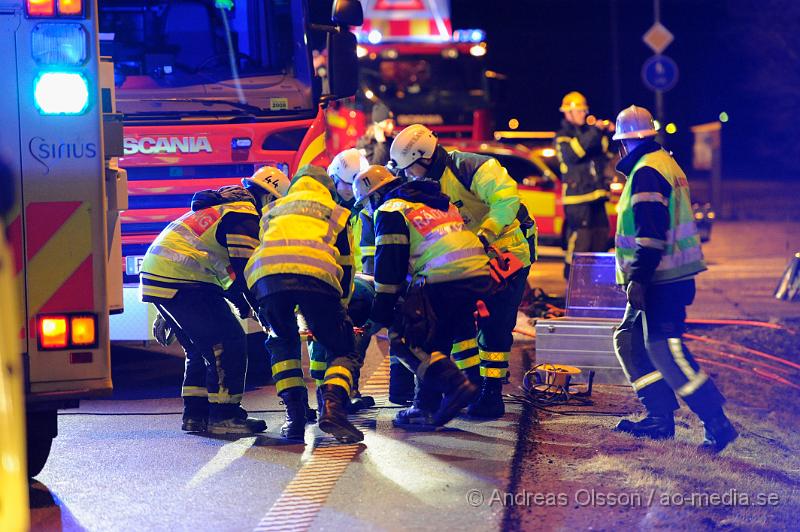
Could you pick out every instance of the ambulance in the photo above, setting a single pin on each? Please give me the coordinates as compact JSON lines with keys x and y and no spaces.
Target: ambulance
{"x":62,"y":225}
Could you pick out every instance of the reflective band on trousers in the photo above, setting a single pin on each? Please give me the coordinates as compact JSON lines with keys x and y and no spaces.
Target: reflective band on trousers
{"x":647,"y":380}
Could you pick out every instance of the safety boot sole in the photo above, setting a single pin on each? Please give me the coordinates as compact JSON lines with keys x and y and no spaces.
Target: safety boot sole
{"x":453,"y":402}
{"x":342,"y":430}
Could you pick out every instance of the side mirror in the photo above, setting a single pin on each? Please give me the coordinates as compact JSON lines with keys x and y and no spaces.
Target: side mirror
{"x":347,"y":13}
{"x":342,"y":64}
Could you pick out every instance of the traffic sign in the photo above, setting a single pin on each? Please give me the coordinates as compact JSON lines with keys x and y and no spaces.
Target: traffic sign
{"x":658,"y":38}
{"x":660,"y":73}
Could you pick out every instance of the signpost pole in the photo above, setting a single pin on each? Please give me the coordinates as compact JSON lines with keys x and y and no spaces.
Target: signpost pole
{"x":659,"y":94}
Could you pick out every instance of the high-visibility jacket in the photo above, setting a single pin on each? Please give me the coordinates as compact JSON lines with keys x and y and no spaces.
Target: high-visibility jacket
{"x":582,"y":155}
{"x":304,"y":233}
{"x":364,"y":239}
{"x":487,"y":199}
{"x":197,"y":249}
{"x":657,"y":240}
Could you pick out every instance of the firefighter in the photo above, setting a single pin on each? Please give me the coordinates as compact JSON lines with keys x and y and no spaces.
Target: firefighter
{"x":344,"y":168}
{"x":658,"y":255}
{"x":418,"y":230}
{"x":304,"y":260}
{"x":488,"y":201}
{"x":188,"y":271}
{"x":375,"y":142}
{"x":582,"y":151}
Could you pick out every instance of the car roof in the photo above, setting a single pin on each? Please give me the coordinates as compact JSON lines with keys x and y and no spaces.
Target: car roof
{"x":532,"y":154}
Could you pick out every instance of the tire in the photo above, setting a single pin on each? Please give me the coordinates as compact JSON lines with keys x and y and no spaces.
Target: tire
{"x":41,"y":428}
{"x":38,"y":452}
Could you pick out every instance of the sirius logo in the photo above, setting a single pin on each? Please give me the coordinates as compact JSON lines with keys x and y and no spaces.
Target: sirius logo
{"x":45,"y":151}
{"x":152,"y":146}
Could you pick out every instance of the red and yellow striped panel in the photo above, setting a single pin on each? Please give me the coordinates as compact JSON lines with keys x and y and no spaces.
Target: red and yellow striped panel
{"x":60,"y":269}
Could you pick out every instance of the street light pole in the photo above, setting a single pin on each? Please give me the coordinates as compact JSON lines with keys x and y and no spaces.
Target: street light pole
{"x":659,"y":94}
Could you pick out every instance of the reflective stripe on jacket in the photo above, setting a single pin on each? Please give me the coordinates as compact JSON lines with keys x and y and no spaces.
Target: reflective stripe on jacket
{"x":440,"y":247}
{"x":298,"y":236}
{"x":681,"y":254}
{"x":188,"y":250}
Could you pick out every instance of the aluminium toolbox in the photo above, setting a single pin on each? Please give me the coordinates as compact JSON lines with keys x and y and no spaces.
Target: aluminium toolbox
{"x":586,"y":343}
{"x":584,"y":336}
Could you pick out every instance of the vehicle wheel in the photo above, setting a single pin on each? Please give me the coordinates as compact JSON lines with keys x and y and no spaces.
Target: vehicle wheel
{"x":38,"y":452}
{"x":41,"y":428}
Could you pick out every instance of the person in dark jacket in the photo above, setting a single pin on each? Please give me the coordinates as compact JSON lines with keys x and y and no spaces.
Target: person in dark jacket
{"x":375,"y":143}
{"x":582,"y":151}
{"x":658,"y":255}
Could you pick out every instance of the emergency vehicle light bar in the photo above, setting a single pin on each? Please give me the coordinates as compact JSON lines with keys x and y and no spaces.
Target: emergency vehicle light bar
{"x":47,"y":8}
{"x":66,"y":331}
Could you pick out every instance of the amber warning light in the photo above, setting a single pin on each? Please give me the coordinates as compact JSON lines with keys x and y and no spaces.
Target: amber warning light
{"x":67,"y":331}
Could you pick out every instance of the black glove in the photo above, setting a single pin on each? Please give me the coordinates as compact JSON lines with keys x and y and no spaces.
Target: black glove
{"x":636,"y":295}
{"x":162,"y":331}
{"x":239,"y":302}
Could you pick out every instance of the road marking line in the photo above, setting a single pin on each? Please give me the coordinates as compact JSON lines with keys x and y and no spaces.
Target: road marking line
{"x":227,"y":454}
{"x":303,"y":498}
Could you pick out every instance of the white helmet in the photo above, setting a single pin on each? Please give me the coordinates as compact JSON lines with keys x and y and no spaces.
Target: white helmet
{"x":347,"y":165}
{"x":270,"y":179}
{"x":369,"y":182}
{"x":412,"y":144}
{"x":634,"y":123}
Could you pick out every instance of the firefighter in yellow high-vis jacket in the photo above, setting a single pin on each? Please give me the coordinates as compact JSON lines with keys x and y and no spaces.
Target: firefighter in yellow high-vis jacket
{"x":304,"y":260}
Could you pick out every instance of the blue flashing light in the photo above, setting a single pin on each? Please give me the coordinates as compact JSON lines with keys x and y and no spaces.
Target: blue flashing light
{"x":61,"y":93}
{"x":472,"y":35}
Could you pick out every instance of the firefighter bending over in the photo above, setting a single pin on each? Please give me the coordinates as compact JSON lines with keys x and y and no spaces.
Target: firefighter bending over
{"x":418,"y":230}
{"x":304,"y":260}
{"x":658,"y":255}
{"x":488,"y":202}
{"x":187,"y":272}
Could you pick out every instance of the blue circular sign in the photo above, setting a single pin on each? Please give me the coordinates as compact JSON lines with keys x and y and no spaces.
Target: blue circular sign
{"x":660,"y":73}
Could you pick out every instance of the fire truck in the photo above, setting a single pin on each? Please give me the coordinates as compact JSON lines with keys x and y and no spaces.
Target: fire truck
{"x":61,"y":224}
{"x":411,"y":59}
{"x":210,"y":91}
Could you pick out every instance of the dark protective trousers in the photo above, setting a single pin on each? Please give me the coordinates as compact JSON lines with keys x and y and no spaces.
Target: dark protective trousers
{"x":453,"y":306}
{"x":587,"y":230}
{"x":215,"y":347}
{"x":358,"y":312}
{"x":658,"y":365}
{"x":326,"y":318}
{"x":495,"y":334}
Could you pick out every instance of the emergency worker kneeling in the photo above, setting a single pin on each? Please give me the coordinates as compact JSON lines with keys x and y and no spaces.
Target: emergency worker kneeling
{"x":418,"y":230}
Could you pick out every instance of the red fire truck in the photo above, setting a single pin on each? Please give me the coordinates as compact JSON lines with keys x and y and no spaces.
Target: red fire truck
{"x":210,"y":91}
{"x":412,"y":60}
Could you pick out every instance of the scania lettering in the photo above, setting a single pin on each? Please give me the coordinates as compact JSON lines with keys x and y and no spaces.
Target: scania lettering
{"x":149,"y":145}
{"x":220,"y":89}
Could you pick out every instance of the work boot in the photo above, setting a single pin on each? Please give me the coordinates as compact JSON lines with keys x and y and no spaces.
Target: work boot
{"x":232,"y":419}
{"x":194,"y":424}
{"x":195,"y":414}
{"x":489,"y":404}
{"x":458,"y":391}
{"x":295,"y":400}
{"x":719,"y":433}
{"x":401,"y":384}
{"x":360,"y":402}
{"x":654,"y":426}
{"x":414,"y":417}
{"x":333,"y":414}
{"x":258,"y":425}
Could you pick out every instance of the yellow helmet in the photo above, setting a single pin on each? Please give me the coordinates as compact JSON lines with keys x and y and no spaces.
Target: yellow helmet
{"x":371,"y":181}
{"x":572,"y":101}
{"x":268,"y":179}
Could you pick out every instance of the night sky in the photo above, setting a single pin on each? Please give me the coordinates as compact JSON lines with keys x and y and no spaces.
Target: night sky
{"x":738,"y":56}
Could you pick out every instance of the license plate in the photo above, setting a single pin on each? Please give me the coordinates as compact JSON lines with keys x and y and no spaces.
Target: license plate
{"x":133,"y":264}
